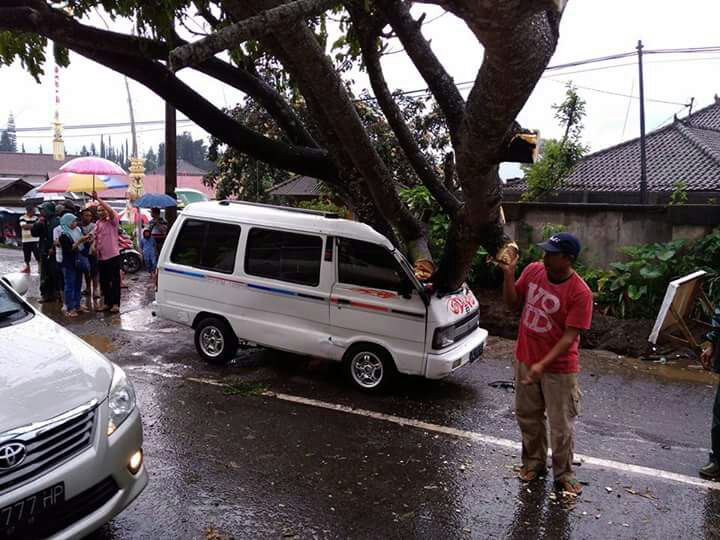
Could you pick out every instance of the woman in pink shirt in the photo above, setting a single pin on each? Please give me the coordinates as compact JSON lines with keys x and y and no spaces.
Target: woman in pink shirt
{"x":108,"y":254}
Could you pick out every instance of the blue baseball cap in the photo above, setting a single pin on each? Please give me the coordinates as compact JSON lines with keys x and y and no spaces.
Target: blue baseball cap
{"x":564,"y":242}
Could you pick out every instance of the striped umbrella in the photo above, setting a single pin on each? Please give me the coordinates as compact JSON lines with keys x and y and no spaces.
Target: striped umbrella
{"x":67,"y":182}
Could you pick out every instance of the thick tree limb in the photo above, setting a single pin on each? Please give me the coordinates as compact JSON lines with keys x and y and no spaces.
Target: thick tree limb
{"x":304,"y":58}
{"x":420,"y":165}
{"x":514,"y":61}
{"x":132,"y":58}
{"x":440,"y":83}
{"x":251,"y":28}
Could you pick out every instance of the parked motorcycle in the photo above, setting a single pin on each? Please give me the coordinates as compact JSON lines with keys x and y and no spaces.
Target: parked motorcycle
{"x":130,"y":258}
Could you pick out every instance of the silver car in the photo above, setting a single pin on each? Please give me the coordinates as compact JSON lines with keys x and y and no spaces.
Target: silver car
{"x":70,"y":431}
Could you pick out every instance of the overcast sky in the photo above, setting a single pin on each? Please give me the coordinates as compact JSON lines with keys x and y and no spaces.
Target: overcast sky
{"x":91,"y":93}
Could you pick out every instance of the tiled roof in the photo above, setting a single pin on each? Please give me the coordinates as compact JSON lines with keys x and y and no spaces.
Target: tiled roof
{"x":155,"y":183}
{"x":5,"y":183}
{"x":184,"y":168}
{"x":687,"y":150}
{"x":20,"y":164}
{"x":298,"y":186}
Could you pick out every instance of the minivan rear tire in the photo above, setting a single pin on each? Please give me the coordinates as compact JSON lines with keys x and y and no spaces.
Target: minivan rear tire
{"x":215,"y":341}
{"x":369,"y":368}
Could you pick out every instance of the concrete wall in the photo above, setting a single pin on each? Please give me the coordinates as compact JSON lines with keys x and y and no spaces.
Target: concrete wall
{"x":603,"y":229}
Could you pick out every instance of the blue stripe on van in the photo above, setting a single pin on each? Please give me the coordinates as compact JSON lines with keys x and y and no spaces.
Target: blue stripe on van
{"x":185,"y":273}
{"x":285,"y":292}
{"x":249,"y":285}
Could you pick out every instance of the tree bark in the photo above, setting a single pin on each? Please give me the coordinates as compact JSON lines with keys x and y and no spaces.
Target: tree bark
{"x":440,"y":83}
{"x":418,"y":161}
{"x":302,"y":56}
{"x":253,"y":27}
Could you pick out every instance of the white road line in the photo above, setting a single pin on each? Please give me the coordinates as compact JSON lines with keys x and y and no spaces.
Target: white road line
{"x":481,"y":437}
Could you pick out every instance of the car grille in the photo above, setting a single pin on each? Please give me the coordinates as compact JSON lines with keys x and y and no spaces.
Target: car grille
{"x":466,"y":326}
{"x":48,"y":444}
{"x":67,"y":513}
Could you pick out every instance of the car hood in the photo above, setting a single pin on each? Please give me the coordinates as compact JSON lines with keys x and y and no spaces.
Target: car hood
{"x":45,"y":371}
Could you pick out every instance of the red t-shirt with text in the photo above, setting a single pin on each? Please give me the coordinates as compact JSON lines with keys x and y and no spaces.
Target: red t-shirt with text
{"x":549,"y":308}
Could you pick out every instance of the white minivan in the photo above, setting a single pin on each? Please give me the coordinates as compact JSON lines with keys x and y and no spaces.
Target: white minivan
{"x":310,"y":283}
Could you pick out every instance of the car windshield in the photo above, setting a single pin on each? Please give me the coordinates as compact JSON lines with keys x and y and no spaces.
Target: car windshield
{"x":188,"y":197}
{"x":10,"y":309}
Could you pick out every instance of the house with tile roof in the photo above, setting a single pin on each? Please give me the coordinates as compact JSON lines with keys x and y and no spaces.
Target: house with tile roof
{"x":30,"y":167}
{"x":683,"y":153}
{"x":600,"y":200}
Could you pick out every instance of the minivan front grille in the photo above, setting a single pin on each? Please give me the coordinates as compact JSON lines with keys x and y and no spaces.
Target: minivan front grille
{"x":48,"y":444}
{"x":466,"y":326}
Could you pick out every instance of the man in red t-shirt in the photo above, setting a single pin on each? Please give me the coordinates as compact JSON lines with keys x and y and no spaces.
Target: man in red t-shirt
{"x":557,"y":304}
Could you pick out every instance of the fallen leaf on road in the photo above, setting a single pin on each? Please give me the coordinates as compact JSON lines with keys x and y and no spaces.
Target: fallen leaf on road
{"x":646,"y":495}
{"x":211,"y":533}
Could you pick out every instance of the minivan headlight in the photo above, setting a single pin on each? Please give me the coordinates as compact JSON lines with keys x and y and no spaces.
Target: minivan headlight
{"x":444,"y":337}
{"x":121,"y":400}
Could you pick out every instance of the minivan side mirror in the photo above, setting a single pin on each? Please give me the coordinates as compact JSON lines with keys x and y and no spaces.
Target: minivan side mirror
{"x":405,"y":289}
{"x":20,"y":283}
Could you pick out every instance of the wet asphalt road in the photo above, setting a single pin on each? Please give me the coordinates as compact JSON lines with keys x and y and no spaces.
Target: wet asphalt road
{"x":228,"y":459}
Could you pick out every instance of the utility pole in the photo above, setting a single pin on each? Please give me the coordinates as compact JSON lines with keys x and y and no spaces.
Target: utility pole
{"x":643,"y":161}
{"x":170,"y":156}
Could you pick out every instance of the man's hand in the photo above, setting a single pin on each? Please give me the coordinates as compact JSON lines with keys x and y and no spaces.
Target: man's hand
{"x":706,"y":357}
{"x":534,"y":373}
{"x":94,"y":195}
{"x":509,"y":268}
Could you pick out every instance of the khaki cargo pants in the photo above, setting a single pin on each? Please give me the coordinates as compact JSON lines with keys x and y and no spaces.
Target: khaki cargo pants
{"x":557,"y":398}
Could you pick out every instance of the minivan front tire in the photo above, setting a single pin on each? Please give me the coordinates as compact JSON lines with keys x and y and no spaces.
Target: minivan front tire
{"x":370,"y":368}
{"x":215,"y":341}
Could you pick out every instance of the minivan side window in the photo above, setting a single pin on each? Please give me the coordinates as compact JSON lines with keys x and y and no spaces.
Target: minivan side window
{"x":207,"y":245}
{"x":284,"y":256}
{"x":368,"y":265}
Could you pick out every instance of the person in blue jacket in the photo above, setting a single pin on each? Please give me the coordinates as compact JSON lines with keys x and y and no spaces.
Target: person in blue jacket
{"x":149,"y":251}
{"x":710,"y":359}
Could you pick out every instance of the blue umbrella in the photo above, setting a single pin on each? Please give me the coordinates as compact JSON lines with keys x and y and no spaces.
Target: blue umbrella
{"x":155,"y":200}
{"x":114,"y":181}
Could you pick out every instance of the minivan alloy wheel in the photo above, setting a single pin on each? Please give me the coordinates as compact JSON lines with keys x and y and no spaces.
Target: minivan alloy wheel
{"x":212,"y":342}
{"x":367,"y":369}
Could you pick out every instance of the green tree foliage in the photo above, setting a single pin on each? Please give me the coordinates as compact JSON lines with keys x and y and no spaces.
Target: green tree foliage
{"x":558,"y":158}
{"x":240,"y":175}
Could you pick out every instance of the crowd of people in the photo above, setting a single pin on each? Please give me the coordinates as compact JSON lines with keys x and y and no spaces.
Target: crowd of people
{"x":82,"y":246}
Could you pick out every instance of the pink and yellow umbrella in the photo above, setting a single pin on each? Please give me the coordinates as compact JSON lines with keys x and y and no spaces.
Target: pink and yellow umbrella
{"x":68,"y":182}
{"x":86,"y":173}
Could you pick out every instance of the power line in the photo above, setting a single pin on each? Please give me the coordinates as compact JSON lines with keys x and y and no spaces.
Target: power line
{"x":620,"y":94}
{"x":96,"y":126}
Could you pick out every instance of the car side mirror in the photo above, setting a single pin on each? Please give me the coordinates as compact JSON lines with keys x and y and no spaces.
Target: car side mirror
{"x":20,"y":283}
{"x":405,"y":289}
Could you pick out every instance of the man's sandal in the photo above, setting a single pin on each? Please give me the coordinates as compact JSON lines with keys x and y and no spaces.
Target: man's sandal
{"x":529,"y":475}
{"x":572,"y":486}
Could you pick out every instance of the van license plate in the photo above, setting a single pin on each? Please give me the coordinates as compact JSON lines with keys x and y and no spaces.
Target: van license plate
{"x":475,"y":353}
{"x":15,"y":517}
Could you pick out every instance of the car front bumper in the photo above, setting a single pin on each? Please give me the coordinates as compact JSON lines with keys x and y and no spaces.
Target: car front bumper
{"x":442,"y":364}
{"x":105,"y":463}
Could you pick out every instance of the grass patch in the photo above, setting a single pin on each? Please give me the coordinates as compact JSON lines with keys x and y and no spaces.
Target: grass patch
{"x":244,"y":388}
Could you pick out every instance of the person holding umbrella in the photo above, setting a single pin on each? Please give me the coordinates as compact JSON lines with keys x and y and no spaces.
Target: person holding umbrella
{"x":108,"y":254}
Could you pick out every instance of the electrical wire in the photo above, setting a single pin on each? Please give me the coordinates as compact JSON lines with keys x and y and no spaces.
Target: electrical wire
{"x":627,"y":112}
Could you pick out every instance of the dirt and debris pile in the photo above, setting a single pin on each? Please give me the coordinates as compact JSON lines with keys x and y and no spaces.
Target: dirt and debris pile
{"x":626,"y":337}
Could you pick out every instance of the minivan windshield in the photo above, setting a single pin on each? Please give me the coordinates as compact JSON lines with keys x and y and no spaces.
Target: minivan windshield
{"x":11,"y":309}
{"x":409,"y":271}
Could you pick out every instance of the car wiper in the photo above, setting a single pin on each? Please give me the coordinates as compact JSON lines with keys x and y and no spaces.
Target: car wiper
{"x":8,"y":313}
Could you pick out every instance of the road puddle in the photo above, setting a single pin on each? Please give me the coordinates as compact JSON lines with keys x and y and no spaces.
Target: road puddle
{"x":103,"y":344}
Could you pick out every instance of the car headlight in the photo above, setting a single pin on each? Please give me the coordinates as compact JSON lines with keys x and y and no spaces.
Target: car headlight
{"x":444,"y":337}
{"x":121,"y":400}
